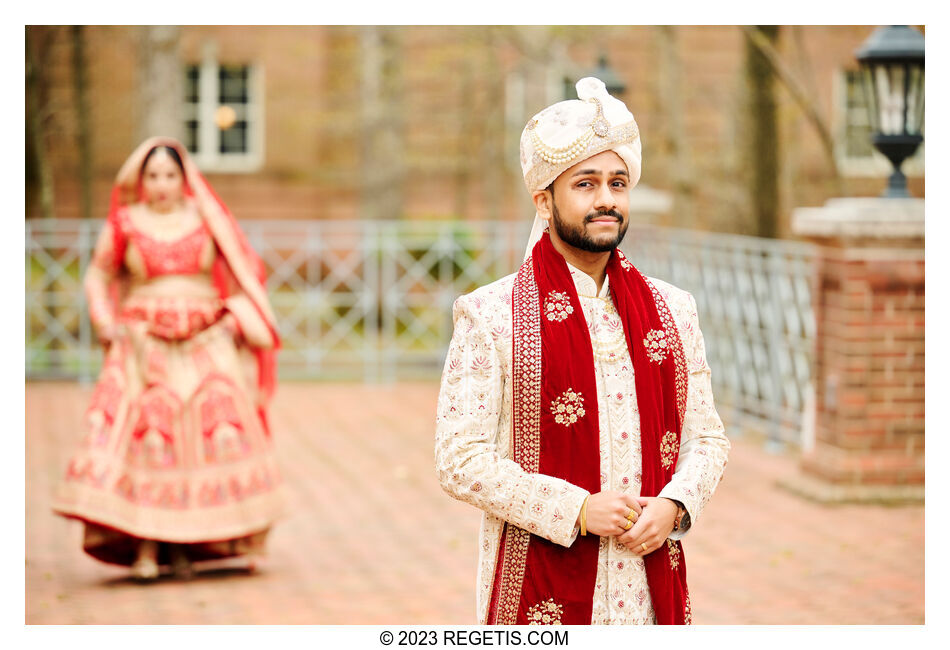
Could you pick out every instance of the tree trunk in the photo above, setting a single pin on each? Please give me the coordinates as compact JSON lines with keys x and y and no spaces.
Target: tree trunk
{"x":493,"y":168}
{"x":382,"y":151}
{"x":762,"y":137}
{"x":160,"y":86}
{"x":37,"y":50}
{"x":38,"y":45}
{"x":673,"y":129}
{"x":468,"y":136}
{"x":799,"y":94}
{"x":83,"y":135}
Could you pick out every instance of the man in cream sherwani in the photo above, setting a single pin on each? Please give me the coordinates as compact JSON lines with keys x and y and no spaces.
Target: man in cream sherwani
{"x":576,"y":410}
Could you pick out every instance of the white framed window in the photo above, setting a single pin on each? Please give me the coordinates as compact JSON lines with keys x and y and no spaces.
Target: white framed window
{"x":855,"y":154}
{"x":223,"y":113}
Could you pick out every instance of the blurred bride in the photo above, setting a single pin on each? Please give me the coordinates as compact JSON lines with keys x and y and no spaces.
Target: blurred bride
{"x":177,"y":462}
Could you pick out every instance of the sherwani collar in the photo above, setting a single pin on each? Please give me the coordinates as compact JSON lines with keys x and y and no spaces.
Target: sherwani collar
{"x":585,"y":285}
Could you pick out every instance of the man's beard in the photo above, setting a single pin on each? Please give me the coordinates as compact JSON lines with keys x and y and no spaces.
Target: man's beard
{"x":577,"y":236}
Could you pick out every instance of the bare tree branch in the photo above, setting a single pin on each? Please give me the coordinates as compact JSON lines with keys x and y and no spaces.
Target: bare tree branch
{"x":797,"y":92}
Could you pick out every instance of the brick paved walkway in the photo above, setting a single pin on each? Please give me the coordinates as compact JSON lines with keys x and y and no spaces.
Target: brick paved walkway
{"x":373,"y":539}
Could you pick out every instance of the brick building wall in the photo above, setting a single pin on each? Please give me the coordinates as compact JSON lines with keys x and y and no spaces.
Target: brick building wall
{"x":454,"y":145}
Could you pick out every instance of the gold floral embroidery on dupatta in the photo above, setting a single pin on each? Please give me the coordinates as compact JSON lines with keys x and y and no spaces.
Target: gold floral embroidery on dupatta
{"x":568,"y":408}
{"x":657,"y":345}
{"x":557,"y":306}
{"x":624,"y":262}
{"x":668,"y":449}
{"x":674,"y":550}
{"x":546,"y":612}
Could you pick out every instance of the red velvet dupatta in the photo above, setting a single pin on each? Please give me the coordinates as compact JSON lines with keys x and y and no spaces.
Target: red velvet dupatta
{"x":555,"y":431}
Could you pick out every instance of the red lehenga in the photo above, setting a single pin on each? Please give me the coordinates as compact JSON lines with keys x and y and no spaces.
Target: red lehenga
{"x":176,"y":447}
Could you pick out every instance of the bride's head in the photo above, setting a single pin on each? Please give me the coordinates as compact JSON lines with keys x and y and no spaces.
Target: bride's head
{"x":163,"y":179}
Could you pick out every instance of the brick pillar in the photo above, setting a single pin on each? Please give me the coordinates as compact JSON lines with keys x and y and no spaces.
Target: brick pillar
{"x":869,"y":351}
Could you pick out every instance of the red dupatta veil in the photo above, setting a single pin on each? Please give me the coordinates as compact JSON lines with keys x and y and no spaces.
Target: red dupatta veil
{"x":237,"y":269}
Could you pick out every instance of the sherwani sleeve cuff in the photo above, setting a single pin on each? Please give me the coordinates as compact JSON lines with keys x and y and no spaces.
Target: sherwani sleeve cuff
{"x":678,"y":493}
{"x":565,"y":531}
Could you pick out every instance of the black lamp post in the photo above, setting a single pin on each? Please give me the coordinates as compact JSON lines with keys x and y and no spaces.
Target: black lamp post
{"x":615,"y":85}
{"x":892,"y":62}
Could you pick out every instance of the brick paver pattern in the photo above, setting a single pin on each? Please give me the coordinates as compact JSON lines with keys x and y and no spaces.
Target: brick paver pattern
{"x":371,"y":538}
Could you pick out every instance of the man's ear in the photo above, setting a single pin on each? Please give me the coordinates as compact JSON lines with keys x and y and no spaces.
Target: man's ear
{"x":543,"y":203}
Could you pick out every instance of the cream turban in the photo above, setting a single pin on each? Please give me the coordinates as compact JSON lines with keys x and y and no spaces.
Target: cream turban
{"x":564,"y":134}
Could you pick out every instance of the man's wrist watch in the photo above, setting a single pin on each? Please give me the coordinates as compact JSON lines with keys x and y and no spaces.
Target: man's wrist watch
{"x":680,"y":514}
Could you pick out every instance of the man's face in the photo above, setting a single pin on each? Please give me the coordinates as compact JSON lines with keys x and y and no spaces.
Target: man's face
{"x":590,"y":204}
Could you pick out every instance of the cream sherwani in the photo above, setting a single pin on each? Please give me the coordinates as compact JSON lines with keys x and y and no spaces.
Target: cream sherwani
{"x":473,"y":438}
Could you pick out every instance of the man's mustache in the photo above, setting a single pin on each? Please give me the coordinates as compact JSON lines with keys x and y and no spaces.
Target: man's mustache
{"x":603,"y":213}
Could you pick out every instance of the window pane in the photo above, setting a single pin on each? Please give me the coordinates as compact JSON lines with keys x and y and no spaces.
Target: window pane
{"x":232,"y":84}
{"x":191,"y":135}
{"x":234,"y":140}
{"x":191,"y":84}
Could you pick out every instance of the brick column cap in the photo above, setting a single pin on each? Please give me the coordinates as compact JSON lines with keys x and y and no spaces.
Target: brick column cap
{"x":648,"y":203}
{"x":875,"y":218}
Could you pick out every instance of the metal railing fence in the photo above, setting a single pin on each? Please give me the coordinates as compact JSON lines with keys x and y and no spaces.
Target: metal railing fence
{"x":372,"y":300}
